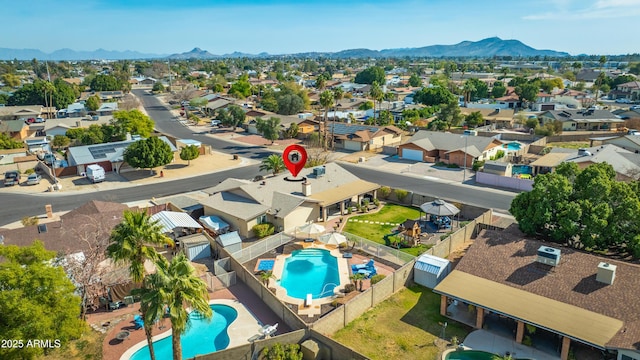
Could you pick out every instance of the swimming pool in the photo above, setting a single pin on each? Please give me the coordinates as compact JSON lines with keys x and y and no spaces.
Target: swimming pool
{"x":265,"y":264}
{"x":512,"y":146}
{"x":521,"y":169}
{"x":470,"y":355}
{"x":310,"y":271}
{"x":202,"y":336}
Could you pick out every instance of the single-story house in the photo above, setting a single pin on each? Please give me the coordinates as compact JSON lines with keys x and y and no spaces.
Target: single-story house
{"x":627,"y":142}
{"x":429,"y":270}
{"x":576,"y":296}
{"x":432,"y":146}
{"x":285,"y":121}
{"x":107,"y":108}
{"x":107,"y":155}
{"x":627,"y":113}
{"x":582,"y":120}
{"x":363,"y":137}
{"x":328,"y":189}
{"x":20,"y":112}
{"x":500,"y":118}
{"x":149,"y":81}
{"x":73,"y":110}
{"x":16,"y":129}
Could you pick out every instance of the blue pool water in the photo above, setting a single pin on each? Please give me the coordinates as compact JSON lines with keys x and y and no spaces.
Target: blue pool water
{"x":310,"y":271}
{"x":512,"y":146}
{"x":202,"y":336}
{"x":265,"y":265}
{"x":521,"y":169}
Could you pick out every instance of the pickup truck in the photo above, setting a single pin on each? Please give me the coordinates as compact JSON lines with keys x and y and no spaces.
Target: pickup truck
{"x":11,"y":178}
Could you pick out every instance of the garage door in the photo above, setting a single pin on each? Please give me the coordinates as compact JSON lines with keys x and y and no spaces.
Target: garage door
{"x":409,"y":154}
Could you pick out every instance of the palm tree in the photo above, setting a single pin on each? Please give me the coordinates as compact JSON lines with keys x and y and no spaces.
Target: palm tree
{"x":273,"y":163}
{"x":183,"y":289}
{"x":326,"y":101}
{"x":152,"y":301}
{"x":265,"y":276}
{"x":467,"y":90}
{"x":357,"y":280}
{"x":338,"y":94}
{"x":133,"y":241}
{"x":377,"y":95}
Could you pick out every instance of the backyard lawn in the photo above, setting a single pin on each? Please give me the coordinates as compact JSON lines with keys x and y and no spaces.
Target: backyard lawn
{"x":402,"y":327}
{"x":569,"y":144}
{"x":390,"y":213}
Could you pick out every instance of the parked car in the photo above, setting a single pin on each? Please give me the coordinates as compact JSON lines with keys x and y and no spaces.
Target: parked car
{"x":33,"y":179}
{"x":40,"y":120}
{"x":215,"y":122}
{"x":11,"y":178}
{"x":634,"y":107}
{"x":623,"y":101}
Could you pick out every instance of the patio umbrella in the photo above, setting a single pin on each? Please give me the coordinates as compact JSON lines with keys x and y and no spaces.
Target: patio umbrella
{"x":439,"y":207}
{"x":310,"y":230}
{"x":333,"y":239}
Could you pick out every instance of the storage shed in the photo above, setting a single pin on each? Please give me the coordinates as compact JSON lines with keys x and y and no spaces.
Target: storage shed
{"x":196,"y":246}
{"x":429,"y":270}
{"x":231,"y":242}
{"x":214,"y":223}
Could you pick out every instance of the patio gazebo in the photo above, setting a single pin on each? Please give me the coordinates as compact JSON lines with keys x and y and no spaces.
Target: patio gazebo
{"x":440,"y":208}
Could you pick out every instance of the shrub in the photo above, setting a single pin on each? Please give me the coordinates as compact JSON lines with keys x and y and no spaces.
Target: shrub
{"x":30,"y":220}
{"x":385,"y":191}
{"x":349,"y":210}
{"x":453,"y":166}
{"x":376,"y":202}
{"x":527,"y":341}
{"x":349,"y":288}
{"x":440,"y":163}
{"x":477,"y":165}
{"x":282,"y":352}
{"x":365,"y":203}
{"x":262,"y":230}
{"x":401,"y":194}
{"x":377,"y":278}
{"x":29,"y":171}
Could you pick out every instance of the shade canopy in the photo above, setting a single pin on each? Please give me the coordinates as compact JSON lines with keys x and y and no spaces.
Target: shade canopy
{"x":439,"y":207}
{"x":310,"y":230}
{"x":333,"y":239}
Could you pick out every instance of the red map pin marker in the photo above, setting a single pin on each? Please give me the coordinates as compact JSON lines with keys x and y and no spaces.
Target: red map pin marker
{"x":294,"y":157}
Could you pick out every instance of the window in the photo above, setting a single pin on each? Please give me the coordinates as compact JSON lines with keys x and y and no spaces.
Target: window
{"x":262,"y":219}
{"x":625,"y":357}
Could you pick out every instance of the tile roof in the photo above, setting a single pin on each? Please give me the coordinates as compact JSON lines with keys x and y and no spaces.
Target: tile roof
{"x":508,"y":258}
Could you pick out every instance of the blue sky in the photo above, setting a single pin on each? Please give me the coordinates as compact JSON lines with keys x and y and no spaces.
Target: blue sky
{"x":289,"y":26}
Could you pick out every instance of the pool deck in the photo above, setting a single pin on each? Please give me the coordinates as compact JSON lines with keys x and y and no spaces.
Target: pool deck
{"x":315,"y":308}
{"x":487,"y":341}
{"x":122,"y":320}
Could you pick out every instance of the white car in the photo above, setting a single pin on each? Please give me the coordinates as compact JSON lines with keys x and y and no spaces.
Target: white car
{"x":33,"y":179}
{"x":215,"y":122}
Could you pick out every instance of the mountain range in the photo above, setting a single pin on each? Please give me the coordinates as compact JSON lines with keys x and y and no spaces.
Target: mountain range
{"x":484,"y":48}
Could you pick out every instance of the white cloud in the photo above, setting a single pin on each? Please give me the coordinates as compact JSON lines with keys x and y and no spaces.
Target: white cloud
{"x":600,"y":9}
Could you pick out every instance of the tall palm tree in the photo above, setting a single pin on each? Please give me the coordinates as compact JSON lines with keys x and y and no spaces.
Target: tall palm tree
{"x":273,"y":163}
{"x":467,"y":90}
{"x":377,"y":95}
{"x":184,"y":289}
{"x":152,"y":295}
{"x":133,"y":241}
{"x":338,"y":94}
{"x":326,"y":101}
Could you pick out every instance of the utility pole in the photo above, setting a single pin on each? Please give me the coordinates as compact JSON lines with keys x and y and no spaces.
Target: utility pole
{"x":464,"y":169}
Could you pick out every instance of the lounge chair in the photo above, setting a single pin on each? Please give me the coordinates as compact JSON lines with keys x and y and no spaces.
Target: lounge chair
{"x":308,"y":300}
{"x":368,"y":265}
{"x":368,"y":273}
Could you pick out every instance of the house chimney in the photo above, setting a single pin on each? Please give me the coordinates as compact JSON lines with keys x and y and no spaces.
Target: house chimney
{"x":49,"y":210}
{"x":306,"y":188}
{"x":606,"y":273}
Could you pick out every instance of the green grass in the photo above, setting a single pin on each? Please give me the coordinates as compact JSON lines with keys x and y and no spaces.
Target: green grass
{"x":390,"y":213}
{"x":402,"y":327}
{"x":569,"y":144}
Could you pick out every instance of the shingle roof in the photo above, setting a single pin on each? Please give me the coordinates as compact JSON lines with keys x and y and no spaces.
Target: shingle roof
{"x":235,"y":205}
{"x":582,"y":115}
{"x":506,"y":257}
{"x":12,"y":126}
{"x":433,"y":140}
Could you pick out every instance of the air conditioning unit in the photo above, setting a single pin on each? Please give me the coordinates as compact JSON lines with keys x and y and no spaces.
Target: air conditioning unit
{"x":318,"y":171}
{"x":548,"y":256}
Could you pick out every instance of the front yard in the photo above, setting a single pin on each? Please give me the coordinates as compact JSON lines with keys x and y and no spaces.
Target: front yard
{"x":406,"y":326}
{"x":376,"y":229}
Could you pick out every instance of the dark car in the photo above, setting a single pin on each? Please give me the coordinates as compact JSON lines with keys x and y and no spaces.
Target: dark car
{"x":11,"y":178}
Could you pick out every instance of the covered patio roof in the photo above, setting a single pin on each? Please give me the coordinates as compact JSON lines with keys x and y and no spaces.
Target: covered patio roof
{"x":565,"y":319}
{"x":343,"y":192}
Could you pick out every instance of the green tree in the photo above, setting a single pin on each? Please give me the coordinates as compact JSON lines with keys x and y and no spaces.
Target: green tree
{"x":184,"y":289}
{"x":133,"y":122}
{"x":148,"y":153}
{"x":4,"y":99}
{"x":377,"y":95}
{"x":91,"y":135}
{"x":237,"y":116}
{"x":434,"y":96}
{"x":241,"y":88}
{"x":292,"y":131}
{"x":34,"y":289}
{"x":10,"y":80}
{"x":415,"y":80}
{"x":158,"y":87}
{"x":60,"y":141}
{"x":133,"y":241}
{"x":282,"y":352}
{"x":152,"y":302}
{"x":370,"y":75}
{"x":479,"y":89}
{"x":474,"y":119}
{"x":273,"y":163}
{"x":189,"y":153}
{"x":532,"y":123}
{"x":270,"y":128}
{"x":498,"y":89}
{"x":93,"y":103}
{"x":468,"y":88}
{"x":366,"y":105}
{"x":289,"y":104}
{"x":105,"y":83}
{"x":450,"y":114}
{"x":320,"y":82}
{"x":63,"y":94}
{"x":527,"y":92}
{"x":7,"y":142}
{"x":198,"y":102}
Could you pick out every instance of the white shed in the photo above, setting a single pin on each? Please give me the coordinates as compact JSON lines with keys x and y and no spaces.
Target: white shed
{"x":429,"y":270}
{"x":231,"y":241}
{"x":196,"y":246}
